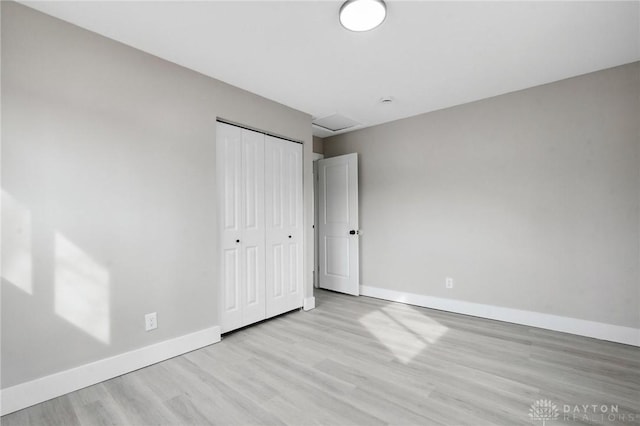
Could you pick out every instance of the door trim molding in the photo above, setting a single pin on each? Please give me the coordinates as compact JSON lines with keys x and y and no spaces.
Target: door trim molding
{"x":309,"y":303}
{"x":314,"y":201}
{"x":580,"y":327}
{"x":26,"y":394}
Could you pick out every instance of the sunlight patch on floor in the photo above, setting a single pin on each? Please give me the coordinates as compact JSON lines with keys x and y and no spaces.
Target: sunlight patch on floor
{"x":16,"y":244}
{"x":421,"y":325}
{"x":405,"y":334}
{"x":81,"y":290}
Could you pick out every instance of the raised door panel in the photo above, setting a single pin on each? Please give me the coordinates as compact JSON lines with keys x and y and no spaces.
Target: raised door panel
{"x":232,"y":282}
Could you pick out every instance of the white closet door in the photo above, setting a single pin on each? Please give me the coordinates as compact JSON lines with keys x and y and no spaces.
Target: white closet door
{"x":253,"y":231}
{"x":240,"y":165}
{"x":229,"y":175}
{"x":284,"y":237}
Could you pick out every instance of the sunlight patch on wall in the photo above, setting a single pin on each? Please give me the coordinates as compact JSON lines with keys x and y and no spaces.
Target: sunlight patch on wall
{"x":16,"y":243}
{"x":405,"y":335}
{"x":81,"y":290}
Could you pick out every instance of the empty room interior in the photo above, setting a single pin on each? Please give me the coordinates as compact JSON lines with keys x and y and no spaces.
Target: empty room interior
{"x":356,"y":212}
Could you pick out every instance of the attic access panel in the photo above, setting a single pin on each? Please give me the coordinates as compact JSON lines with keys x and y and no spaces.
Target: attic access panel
{"x":335,"y":122}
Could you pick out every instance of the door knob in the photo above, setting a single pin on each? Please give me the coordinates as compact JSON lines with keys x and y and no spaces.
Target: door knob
{"x":289,"y":236}
{"x":353,"y":232}
{"x":237,"y":241}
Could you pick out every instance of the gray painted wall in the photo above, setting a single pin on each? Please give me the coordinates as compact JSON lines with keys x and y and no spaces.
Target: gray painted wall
{"x":528,"y":200}
{"x":318,"y":145}
{"x":109,"y":193}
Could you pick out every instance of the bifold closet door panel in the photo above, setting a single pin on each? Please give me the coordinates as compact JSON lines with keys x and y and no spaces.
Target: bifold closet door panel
{"x":284,"y":236}
{"x":253,"y":227}
{"x":240,"y":172}
{"x":229,"y":177}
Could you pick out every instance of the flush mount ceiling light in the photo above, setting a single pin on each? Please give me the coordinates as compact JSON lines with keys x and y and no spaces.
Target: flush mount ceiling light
{"x":362,"y":15}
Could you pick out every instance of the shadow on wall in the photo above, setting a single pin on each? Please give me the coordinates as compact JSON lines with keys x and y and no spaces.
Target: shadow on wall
{"x":81,"y":284}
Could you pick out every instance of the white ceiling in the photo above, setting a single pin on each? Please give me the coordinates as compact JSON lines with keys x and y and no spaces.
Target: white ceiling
{"x":426,"y":55}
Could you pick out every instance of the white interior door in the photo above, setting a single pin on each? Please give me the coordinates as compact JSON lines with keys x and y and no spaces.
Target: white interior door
{"x":338,"y":224}
{"x":240,"y":171}
{"x":284,"y":236}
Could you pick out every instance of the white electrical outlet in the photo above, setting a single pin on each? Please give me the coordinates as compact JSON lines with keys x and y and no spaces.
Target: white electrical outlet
{"x":151,"y":321}
{"x":449,"y":282}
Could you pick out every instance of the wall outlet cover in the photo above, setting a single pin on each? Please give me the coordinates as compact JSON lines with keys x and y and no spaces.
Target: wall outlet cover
{"x":151,"y":321}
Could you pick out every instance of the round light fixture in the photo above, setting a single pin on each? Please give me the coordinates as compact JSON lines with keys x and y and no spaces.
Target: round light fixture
{"x":362,"y":15}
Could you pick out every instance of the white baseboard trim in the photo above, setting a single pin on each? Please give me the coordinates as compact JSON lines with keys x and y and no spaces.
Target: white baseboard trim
{"x":39,"y":390}
{"x":597,"y":330}
{"x":309,"y":303}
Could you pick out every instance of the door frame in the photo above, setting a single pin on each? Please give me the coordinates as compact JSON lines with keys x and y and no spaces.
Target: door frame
{"x":314,"y":201}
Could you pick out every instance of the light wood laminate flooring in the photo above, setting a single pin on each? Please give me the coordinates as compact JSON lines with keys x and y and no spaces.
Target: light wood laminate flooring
{"x":363,"y":361}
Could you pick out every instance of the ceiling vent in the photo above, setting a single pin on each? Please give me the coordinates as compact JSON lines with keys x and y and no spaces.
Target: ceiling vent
{"x":335,"y":123}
